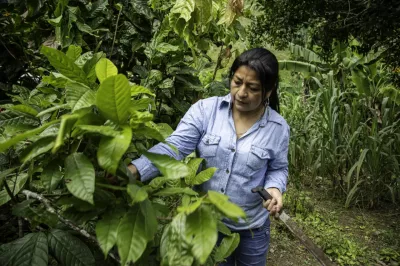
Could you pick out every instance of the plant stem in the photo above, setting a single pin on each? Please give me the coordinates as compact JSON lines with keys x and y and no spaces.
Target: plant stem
{"x":115,"y":32}
{"x":70,"y":224}
{"x":10,"y":193}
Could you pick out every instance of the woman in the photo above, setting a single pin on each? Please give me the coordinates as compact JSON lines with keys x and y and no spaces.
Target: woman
{"x":242,"y":135}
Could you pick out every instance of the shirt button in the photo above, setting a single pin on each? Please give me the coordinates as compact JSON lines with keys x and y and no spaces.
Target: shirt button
{"x":233,"y":150}
{"x":227,"y":171}
{"x":222,"y":190}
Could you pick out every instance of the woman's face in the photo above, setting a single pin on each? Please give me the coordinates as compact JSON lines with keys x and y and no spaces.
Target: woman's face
{"x":246,"y":90}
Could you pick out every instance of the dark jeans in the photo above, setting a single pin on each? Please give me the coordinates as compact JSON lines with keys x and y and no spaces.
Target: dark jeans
{"x":252,"y":249}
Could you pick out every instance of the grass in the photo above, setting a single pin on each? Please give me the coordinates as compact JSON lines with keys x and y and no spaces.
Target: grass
{"x":349,"y":236}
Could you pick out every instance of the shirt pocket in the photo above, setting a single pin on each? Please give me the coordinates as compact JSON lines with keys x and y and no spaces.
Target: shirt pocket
{"x":257,"y":158}
{"x":209,"y":145}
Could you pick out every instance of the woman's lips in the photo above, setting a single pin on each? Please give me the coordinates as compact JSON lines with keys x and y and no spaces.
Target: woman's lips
{"x":240,"y":102}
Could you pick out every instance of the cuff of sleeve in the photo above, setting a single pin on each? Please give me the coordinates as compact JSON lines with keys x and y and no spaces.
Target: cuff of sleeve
{"x":145,"y":168}
{"x":281,"y":188}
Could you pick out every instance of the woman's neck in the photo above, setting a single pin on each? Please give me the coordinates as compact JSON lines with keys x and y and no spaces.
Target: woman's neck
{"x":251,"y":115}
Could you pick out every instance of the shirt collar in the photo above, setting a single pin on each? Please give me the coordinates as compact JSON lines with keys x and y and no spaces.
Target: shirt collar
{"x":269,"y":114}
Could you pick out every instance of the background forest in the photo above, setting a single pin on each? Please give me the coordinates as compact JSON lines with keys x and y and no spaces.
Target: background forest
{"x":87,"y":86}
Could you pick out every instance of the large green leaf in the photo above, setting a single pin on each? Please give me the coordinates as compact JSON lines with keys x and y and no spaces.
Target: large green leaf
{"x":361,"y":81}
{"x":79,"y":96}
{"x":74,"y":52}
{"x":107,"y":229}
{"x":137,"y":194}
{"x":221,"y":201}
{"x":184,"y":8}
{"x":52,"y":109}
{"x":64,"y":64}
{"x":168,"y":166}
{"x":24,"y":108}
{"x":132,"y":236}
{"x":202,"y":226}
{"x":80,"y":176}
{"x":170,"y":191}
{"x":39,"y":147}
{"x":105,"y":69}
{"x":15,"y":184}
{"x":174,"y":246}
{"x":113,"y":98}
{"x":191,"y":207}
{"x":31,"y":250}
{"x":111,"y":149}
{"x":51,"y":176}
{"x":14,"y":140}
{"x":69,"y":250}
{"x":228,"y":245}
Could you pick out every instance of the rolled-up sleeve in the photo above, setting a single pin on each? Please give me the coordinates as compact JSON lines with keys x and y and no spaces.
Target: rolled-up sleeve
{"x":277,"y":171}
{"x":185,"y":138}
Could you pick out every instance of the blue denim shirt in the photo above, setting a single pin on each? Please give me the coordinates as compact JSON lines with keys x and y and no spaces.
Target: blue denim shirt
{"x":257,"y":158}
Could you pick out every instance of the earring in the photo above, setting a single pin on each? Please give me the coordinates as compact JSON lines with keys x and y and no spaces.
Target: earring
{"x":266,"y":102}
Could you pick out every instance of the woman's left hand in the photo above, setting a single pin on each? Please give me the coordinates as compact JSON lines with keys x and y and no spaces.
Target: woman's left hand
{"x":275,"y":204}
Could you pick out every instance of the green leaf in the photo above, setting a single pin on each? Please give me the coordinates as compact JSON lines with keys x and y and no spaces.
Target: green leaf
{"x":80,"y":176}
{"x":227,"y":246}
{"x":137,"y":194}
{"x":66,"y":125}
{"x":107,"y":230}
{"x":79,"y":96}
{"x":193,"y":165}
{"x":361,"y":81}
{"x":15,"y":184}
{"x":55,"y":21}
{"x":31,"y":250}
{"x":68,"y":249}
{"x":16,"y":118}
{"x":137,"y":89}
{"x":168,"y":166}
{"x":98,"y":7}
{"x":203,"y":12}
{"x":111,"y":150}
{"x":74,"y":52}
{"x":4,"y":174}
{"x":174,"y":245}
{"x":170,"y":191}
{"x":113,"y":99}
{"x":36,"y":214}
{"x":39,"y":147}
{"x":228,"y":208}
{"x":14,"y":140}
{"x":82,"y":59}
{"x":56,"y":79}
{"x":191,"y":208}
{"x":27,"y":109}
{"x":308,"y":55}
{"x":142,"y":104}
{"x":202,"y":226}
{"x":203,"y":176}
{"x":105,"y":69}
{"x":90,"y":66}
{"x":103,"y":130}
{"x":132,"y":237}
{"x":298,"y":66}
{"x":51,"y":176}
{"x":139,"y":117}
{"x":184,"y":8}
{"x":166,"y":48}
{"x":64,"y":64}
{"x":149,"y":213}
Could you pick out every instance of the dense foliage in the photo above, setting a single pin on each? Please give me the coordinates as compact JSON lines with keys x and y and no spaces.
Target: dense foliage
{"x":86,"y":86}
{"x":374,"y":23}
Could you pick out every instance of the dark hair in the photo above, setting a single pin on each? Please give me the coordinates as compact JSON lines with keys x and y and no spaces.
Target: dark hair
{"x":265,"y":64}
